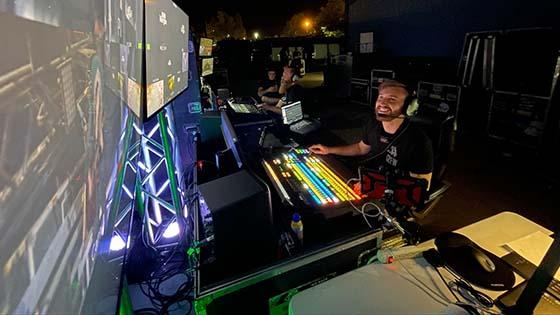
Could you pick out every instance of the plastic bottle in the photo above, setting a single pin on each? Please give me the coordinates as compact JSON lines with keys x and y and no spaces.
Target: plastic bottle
{"x":297,"y":226}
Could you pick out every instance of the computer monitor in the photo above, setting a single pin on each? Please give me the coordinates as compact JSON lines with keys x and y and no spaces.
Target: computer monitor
{"x":207,"y":66}
{"x":292,"y":113}
{"x":230,"y":137}
{"x":205,"y":47}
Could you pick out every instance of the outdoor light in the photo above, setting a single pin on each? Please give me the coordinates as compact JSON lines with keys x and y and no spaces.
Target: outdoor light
{"x":306,"y":24}
{"x":117,"y":243}
{"x":256,"y":35}
{"x":172,"y":230}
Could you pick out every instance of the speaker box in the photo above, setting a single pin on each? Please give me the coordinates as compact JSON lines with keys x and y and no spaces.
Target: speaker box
{"x":241,"y":220}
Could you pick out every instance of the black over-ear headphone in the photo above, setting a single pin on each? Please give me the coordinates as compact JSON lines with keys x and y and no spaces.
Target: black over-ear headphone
{"x":411,"y":98}
{"x":407,"y":102}
{"x":295,"y":76}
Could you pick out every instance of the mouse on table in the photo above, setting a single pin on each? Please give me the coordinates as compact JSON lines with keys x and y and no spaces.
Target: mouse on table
{"x":483,"y":260}
{"x":455,"y":240}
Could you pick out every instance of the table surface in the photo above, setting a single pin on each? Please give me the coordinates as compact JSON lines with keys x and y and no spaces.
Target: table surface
{"x":409,"y":286}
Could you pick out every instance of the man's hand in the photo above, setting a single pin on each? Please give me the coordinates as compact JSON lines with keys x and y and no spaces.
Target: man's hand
{"x":319,"y":149}
{"x":264,"y":106}
{"x":272,"y":89}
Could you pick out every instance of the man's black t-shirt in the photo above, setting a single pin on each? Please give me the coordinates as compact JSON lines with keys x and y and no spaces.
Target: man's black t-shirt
{"x":293,"y":94}
{"x":266,"y":83}
{"x":407,"y":150}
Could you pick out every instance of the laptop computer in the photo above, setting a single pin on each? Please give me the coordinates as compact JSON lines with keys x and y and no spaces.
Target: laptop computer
{"x":245,"y":105}
{"x":241,"y":108}
{"x":292,"y":115}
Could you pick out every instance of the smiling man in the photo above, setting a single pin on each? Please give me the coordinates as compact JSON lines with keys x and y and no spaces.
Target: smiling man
{"x":390,"y":139}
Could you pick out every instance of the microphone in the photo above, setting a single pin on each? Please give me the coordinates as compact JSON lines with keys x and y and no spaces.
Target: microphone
{"x":401,"y":116}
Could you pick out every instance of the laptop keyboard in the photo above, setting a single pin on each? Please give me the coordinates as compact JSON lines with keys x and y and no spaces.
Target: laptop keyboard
{"x":300,"y":125}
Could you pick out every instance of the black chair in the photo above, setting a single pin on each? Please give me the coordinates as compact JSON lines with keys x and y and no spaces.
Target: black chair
{"x":439,"y":128}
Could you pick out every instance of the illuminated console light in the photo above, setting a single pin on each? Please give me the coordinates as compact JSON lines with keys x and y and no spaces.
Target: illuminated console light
{"x":349,"y":192}
{"x":339,"y":192}
{"x":316,"y":181}
{"x":271,"y":171}
{"x":172,"y":230}
{"x":117,"y":243}
{"x":315,"y":198}
{"x":304,"y":178}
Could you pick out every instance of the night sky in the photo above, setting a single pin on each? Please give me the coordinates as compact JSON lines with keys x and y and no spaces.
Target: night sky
{"x":266,"y":16}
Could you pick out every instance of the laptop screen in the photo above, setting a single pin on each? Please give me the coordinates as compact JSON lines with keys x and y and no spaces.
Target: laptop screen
{"x":292,"y":113}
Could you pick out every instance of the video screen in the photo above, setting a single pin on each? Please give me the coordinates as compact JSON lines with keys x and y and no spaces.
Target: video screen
{"x":167,"y":52}
{"x":65,"y":129}
{"x":123,"y":50}
{"x":166,"y":48}
{"x":207,"y":66}
{"x":205,"y":47}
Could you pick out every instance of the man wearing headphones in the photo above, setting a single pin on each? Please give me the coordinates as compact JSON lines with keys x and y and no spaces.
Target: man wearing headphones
{"x":391,"y":140}
{"x":290,"y":88}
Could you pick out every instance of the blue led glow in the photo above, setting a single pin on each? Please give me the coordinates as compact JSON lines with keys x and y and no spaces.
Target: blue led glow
{"x":327,"y":193}
{"x":314,"y":197}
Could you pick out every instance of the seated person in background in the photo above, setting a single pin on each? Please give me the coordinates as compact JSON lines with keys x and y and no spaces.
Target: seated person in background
{"x":268,"y":88}
{"x":394,"y":143}
{"x":298,"y":63}
{"x":289,"y":86}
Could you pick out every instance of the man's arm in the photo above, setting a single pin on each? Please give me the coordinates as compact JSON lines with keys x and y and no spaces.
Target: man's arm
{"x":269,"y":100}
{"x":355,"y":149}
{"x":271,"y":108}
{"x":283,"y":87}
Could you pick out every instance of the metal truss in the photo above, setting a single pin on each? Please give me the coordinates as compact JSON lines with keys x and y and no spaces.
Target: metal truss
{"x":121,"y":191}
{"x":161,"y":199}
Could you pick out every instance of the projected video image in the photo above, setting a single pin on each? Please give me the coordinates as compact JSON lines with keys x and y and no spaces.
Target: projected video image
{"x":64,"y":138}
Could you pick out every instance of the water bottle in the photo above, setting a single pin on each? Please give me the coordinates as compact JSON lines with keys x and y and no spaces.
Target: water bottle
{"x":297,"y":226}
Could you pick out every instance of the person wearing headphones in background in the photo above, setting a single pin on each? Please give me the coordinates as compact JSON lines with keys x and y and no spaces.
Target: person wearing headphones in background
{"x":289,"y":87}
{"x":392,"y":141}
